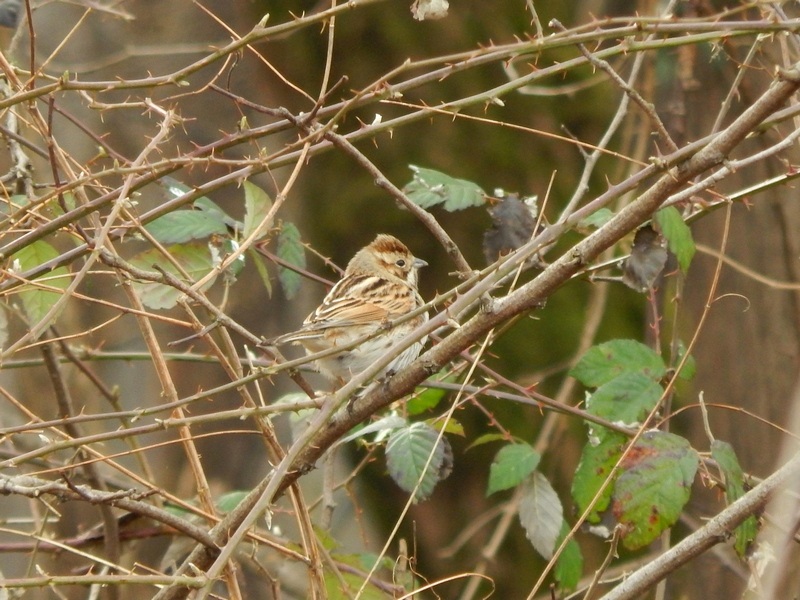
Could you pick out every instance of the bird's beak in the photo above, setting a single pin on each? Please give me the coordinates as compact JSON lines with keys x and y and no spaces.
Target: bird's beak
{"x":419,"y":263}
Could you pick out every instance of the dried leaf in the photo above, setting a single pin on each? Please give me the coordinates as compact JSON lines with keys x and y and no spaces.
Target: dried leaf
{"x":513,"y":225}
{"x":429,"y":9}
{"x":647,"y":260}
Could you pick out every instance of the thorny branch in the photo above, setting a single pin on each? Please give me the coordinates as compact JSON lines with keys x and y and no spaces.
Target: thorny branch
{"x":129,"y":500}
{"x":330,"y":426}
{"x":103,"y":218}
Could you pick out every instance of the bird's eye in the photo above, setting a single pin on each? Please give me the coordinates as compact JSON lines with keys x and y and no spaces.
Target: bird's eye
{"x":400,"y":263}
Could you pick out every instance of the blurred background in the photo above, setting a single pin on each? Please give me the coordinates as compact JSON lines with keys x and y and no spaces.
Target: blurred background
{"x":746,"y":353}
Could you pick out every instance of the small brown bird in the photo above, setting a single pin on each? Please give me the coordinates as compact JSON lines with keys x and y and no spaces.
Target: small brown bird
{"x":379,"y":286}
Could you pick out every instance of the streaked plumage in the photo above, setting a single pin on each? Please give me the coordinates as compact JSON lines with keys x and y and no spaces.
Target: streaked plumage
{"x":379,"y":286}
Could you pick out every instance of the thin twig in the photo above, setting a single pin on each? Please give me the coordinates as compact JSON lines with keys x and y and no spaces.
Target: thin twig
{"x":65,"y":406}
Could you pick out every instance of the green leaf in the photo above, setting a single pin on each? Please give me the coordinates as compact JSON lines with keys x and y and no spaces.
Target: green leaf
{"x":653,"y":487}
{"x":732,"y":473}
{"x":367,"y":560}
{"x":180,"y":511}
{"x":628,"y":398}
{"x":175,"y":189}
{"x":37,"y":302}
{"x":512,"y":465}
{"x":452,"y":426}
{"x":53,"y":207}
{"x":227,"y":502}
{"x":487,"y":438}
{"x":256,"y":206}
{"x":569,"y":566}
{"x":733,"y":477}
{"x":540,"y":514}
{"x":181,"y":226}
{"x":597,"y":219}
{"x":407,"y":453}
{"x":745,"y":534}
{"x":678,"y":235}
{"x":210,"y":207}
{"x":261,"y":268}
{"x":351,"y":579}
{"x":430,"y":188}
{"x":195,"y":259}
{"x":9,"y":205}
{"x":595,"y":465}
{"x":689,"y":369}
{"x":290,"y":250}
{"x":604,"y":362}
{"x":428,"y":398}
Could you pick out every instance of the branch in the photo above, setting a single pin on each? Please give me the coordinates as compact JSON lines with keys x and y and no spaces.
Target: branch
{"x":302,"y":456}
{"x":534,"y":293}
{"x":33,"y":487}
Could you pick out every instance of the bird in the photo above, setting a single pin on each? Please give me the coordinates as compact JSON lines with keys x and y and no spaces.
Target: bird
{"x":379,"y":286}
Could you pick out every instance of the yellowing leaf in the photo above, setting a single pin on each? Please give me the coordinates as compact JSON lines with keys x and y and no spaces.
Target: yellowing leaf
{"x":256,"y":206}
{"x":594,"y":468}
{"x":653,"y":487}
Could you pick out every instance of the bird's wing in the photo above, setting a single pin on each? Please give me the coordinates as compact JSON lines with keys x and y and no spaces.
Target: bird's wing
{"x":354,"y":301}
{"x":345,"y":312}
